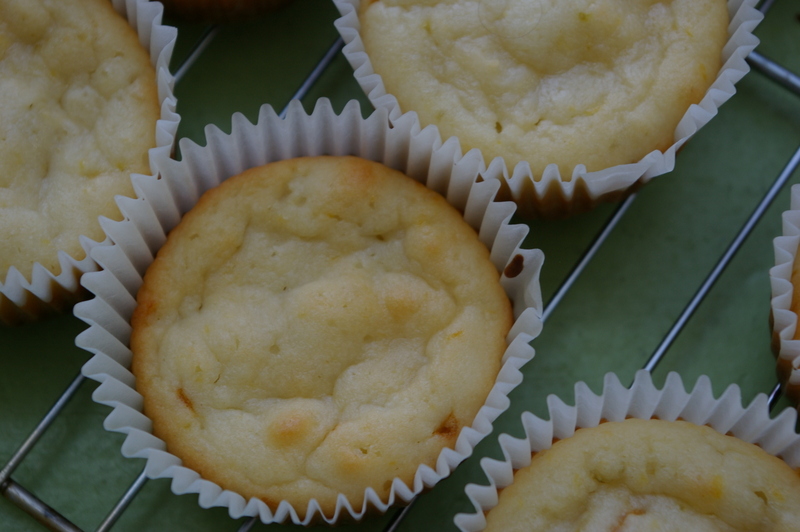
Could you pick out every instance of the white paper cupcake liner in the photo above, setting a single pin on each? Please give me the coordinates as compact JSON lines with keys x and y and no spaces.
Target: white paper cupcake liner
{"x":23,"y":300}
{"x":552,"y":194}
{"x":163,"y":200}
{"x":642,"y":400}
{"x":784,"y":319}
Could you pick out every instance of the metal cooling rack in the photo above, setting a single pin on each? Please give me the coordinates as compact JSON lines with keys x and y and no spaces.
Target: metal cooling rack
{"x":683,"y":224}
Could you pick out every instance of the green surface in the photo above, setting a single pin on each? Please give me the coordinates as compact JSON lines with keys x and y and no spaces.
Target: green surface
{"x":612,"y":320}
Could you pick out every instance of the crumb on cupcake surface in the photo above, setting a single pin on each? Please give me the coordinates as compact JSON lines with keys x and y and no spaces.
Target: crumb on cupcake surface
{"x":78,"y":109}
{"x":650,"y":475}
{"x":317,"y":326}
{"x":594,"y":83}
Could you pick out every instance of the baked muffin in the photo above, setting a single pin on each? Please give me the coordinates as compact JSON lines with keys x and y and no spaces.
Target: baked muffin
{"x":134,"y":241}
{"x":78,"y":112}
{"x":317,"y":327}
{"x":650,"y":475}
{"x":593,"y":83}
{"x":579,"y":100}
{"x":643,"y":458}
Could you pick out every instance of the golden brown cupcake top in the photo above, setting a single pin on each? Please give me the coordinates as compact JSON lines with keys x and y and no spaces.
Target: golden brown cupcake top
{"x":317,"y":326}
{"x":599,"y":83}
{"x":650,"y":475}
{"x":78,"y":111}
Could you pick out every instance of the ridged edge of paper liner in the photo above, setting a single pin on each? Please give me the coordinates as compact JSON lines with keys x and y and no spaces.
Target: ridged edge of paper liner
{"x":551,"y":194}
{"x":784,"y":320}
{"x":46,"y":293}
{"x":641,"y":400}
{"x":163,"y":200}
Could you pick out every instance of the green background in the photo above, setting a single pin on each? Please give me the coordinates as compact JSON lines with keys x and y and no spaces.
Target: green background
{"x":612,"y":320}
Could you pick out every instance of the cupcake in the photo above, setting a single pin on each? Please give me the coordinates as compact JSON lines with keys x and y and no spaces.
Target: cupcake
{"x":367,"y":330}
{"x":581,"y":101}
{"x":318,"y":308}
{"x":641,"y":458}
{"x":785,"y":308}
{"x":81,"y":99}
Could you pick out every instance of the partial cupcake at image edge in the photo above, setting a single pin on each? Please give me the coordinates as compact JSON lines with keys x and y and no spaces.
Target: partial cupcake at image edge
{"x":641,"y":456}
{"x":84,"y":132}
{"x":784,"y":309}
{"x":405,"y":147}
{"x":470,"y":72}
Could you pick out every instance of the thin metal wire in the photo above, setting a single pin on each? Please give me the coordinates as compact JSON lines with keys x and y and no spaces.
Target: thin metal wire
{"x":312,"y":78}
{"x":399,"y":515}
{"x":587,"y":256}
{"x":765,"y":5}
{"x":247,"y":525}
{"x":701,"y":293}
{"x":36,"y":508}
{"x":40,"y":429}
{"x":775,"y":72}
{"x":123,"y":503}
{"x":774,"y":396}
{"x":199,"y":47}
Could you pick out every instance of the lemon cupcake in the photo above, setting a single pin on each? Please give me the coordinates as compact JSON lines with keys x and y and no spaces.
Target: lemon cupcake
{"x":85,"y":101}
{"x":642,"y":458}
{"x":369,"y":330}
{"x":579,"y":101}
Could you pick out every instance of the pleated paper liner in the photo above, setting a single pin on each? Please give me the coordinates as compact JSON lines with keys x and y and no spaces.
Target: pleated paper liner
{"x":642,"y":400}
{"x":783,"y":276}
{"x":551,"y":194}
{"x":23,"y":299}
{"x":403,"y":146}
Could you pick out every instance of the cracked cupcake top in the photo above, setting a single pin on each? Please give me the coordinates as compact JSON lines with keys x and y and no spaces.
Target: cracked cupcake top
{"x":78,"y":110}
{"x":650,"y":475}
{"x":317,"y":326}
{"x":598,"y":83}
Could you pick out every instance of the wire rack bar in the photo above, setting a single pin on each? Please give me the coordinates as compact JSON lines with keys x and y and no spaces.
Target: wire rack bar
{"x":43,"y":513}
{"x":312,"y":78}
{"x":127,"y":498}
{"x":40,"y":429}
{"x":587,"y":256}
{"x":774,"y":396}
{"x":20,"y":496}
{"x":701,"y":293}
{"x":248,"y":524}
{"x":780,"y":75}
{"x":399,"y":515}
{"x":196,"y":51}
{"x":765,"y":5}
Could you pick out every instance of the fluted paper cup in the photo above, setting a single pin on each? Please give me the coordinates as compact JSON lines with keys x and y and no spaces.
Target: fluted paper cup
{"x":162,"y":202}
{"x":642,"y":400}
{"x":26,"y":296}
{"x":783,"y":280}
{"x":548,"y":193}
